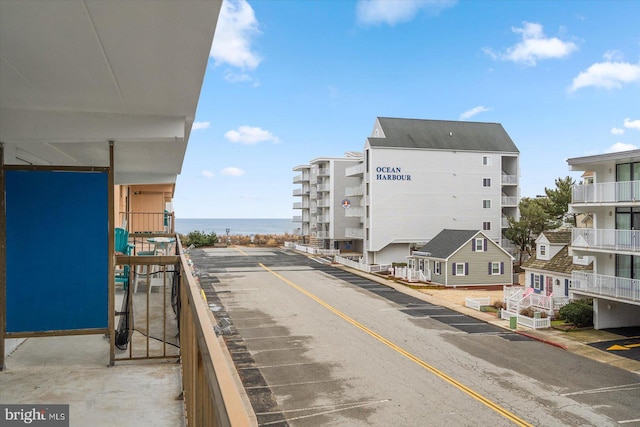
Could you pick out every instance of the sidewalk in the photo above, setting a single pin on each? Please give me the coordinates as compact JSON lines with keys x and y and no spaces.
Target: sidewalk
{"x":575,"y":341}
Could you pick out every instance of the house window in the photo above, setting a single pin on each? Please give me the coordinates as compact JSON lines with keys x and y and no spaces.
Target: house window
{"x":496,"y":268}
{"x":479,"y":245}
{"x":436,"y":267}
{"x":543,"y":250}
{"x":486,"y":204}
{"x":421,"y":265}
{"x":460,"y":268}
{"x":536,"y":281}
{"x":486,"y":182}
{"x":486,"y":225}
{"x":486,"y":160}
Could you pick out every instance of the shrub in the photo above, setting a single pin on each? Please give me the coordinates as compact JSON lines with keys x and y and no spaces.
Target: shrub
{"x":530,"y":311}
{"x":499,"y":304}
{"x":199,"y":238}
{"x":580,"y":313}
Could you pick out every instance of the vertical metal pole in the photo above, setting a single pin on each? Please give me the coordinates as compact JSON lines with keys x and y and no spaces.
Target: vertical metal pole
{"x":3,"y":261}
{"x":110,"y":259}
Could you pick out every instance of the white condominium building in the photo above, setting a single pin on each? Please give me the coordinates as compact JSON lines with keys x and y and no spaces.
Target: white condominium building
{"x":418,"y":177}
{"x":322,"y":222}
{"x":611,"y":197}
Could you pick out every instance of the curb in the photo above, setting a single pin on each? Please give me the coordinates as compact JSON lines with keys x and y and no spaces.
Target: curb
{"x":542,"y":340}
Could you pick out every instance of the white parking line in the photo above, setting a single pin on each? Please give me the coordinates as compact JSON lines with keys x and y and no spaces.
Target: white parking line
{"x":624,"y":387}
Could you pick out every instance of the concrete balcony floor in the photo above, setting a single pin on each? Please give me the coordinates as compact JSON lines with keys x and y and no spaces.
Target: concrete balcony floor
{"x":74,"y":370}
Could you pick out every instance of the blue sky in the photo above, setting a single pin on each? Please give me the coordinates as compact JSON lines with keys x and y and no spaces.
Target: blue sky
{"x":289,"y":81}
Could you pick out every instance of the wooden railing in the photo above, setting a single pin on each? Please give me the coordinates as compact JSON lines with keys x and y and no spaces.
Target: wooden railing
{"x":148,"y":222}
{"x":211,"y":385}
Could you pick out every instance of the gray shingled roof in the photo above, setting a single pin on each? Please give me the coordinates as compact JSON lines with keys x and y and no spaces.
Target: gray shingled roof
{"x":443,"y":135}
{"x":562,"y":237}
{"x":562,"y":262}
{"x":445,"y":243}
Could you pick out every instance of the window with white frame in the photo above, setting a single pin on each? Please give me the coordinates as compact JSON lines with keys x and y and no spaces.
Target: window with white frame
{"x":421,"y":264}
{"x":486,"y":225}
{"x":495,"y":268}
{"x":486,"y":204}
{"x":486,"y":182}
{"x":436,"y":267}
{"x":479,"y":244}
{"x":543,"y":250}
{"x":486,"y":160}
{"x":460,"y":269}
{"x":536,"y":281}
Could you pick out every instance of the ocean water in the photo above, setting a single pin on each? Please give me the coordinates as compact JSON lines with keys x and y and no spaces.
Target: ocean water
{"x":236,"y":226}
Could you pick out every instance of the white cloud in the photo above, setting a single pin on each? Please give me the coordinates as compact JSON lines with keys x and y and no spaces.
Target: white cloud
{"x":632,"y":124}
{"x":608,"y":75}
{"x":393,"y":12}
{"x":237,"y":25}
{"x":207,"y":174}
{"x":231,"y":171}
{"x":534,"y":46}
{"x":470,"y":113}
{"x":619,"y":146}
{"x":200,"y":125}
{"x":613,"y":56}
{"x":617,"y":131}
{"x":250,"y":135}
{"x":232,"y":77}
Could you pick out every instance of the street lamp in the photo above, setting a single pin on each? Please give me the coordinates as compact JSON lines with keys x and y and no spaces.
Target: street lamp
{"x":228,"y":239}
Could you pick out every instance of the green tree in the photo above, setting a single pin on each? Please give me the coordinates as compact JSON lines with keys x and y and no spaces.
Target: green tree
{"x":558,"y":200}
{"x":534,"y":219}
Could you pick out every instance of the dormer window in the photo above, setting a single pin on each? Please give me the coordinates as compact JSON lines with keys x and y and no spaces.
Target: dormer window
{"x":543,"y":250}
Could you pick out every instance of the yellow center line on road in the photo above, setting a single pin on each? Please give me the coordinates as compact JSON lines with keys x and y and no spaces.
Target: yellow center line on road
{"x":488,"y":403}
{"x":240,"y":250}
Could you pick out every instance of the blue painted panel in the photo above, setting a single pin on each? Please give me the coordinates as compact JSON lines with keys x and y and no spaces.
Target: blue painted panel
{"x":57,"y":250}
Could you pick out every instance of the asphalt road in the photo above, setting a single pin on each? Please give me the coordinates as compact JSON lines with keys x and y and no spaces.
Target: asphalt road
{"x":316,"y":345}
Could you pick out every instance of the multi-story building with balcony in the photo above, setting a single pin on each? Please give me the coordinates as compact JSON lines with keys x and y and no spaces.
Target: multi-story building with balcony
{"x":611,"y":197}
{"x":416,"y":178}
{"x":422,"y":176}
{"x":325,"y":208}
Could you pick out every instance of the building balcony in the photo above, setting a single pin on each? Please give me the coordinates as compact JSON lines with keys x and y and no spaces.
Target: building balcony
{"x":596,"y":285}
{"x":322,"y":234}
{"x":297,"y":218}
{"x":355,"y":233}
{"x":353,"y":191}
{"x":300,"y":192}
{"x":618,"y":241}
{"x":606,"y":192}
{"x":505,"y":222}
{"x":324,"y":172}
{"x":509,"y":201}
{"x":298,"y":179}
{"x":354,"y":212}
{"x":354,"y":170}
{"x":323,"y":219}
{"x":324,"y":203}
{"x":301,"y":205}
{"x":509,"y":179}
{"x":323,"y":188}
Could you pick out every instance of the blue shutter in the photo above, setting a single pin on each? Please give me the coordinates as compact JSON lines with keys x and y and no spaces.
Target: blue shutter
{"x":473,"y":245}
{"x":466,"y":268}
{"x":541,"y":282}
{"x":453,"y":268}
{"x":533,"y":282}
{"x":502,"y":268}
{"x":485,"y":245}
{"x":489,"y":269}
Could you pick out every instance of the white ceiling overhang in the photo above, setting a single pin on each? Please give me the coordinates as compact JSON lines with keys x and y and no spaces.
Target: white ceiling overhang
{"x":75,"y":75}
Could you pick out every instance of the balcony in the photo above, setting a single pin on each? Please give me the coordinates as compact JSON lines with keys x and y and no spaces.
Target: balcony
{"x":322,"y":234}
{"x":354,"y":212}
{"x":608,"y":286}
{"x":509,"y":179}
{"x":297,"y":218}
{"x":301,"y":192}
{"x":96,"y":377}
{"x":148,"y":222}
{"x":606,"y":192}
{"x":353,"y":191}
{"x":298,"y":179}
{"x":323,"y":188}
{"x":356,"y":233}
{"x":354,"y":170}
{"x":509,"y":201}
{"x":324,"y":172}
{"x":605,"y":240}
{"x":301,"y":205}
{"x":323,"y":219}
{"x":324,"y":203}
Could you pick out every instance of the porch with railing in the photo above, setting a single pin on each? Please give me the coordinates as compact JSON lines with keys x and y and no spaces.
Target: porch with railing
{"x":148,"y":222}
{"x":606,"y":192}
{"x":617,"y":240}
{"x":609,"y":286}
{"x":368,"y":268}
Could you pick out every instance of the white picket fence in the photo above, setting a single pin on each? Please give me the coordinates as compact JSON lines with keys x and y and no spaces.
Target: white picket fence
{"x":530,"y":322}
{"x":374,"y":268}
{"x":311,"y":250}
{"x":476,"y":303}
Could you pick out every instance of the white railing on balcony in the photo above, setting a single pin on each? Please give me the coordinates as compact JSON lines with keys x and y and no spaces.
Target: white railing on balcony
{"x":323,"y":172}
{"x":301,"y":192}
{"x":301,"y":205}
{"x":323,"y":218}
{"x":505,"y":221}
{"x":356,"y":233}
{"x":301,"y":178}
{"x":509,"y":179}
{"x":323,"y":187}
{"x":611,"y":286}
{"x":354,"y":212}
{"x":606,"y":192}
{"x":297,"y":218}
{"x":619,"y":240}
{"x":509,"y":201}
{"x":322,"y":234}
{"x":324,"y":203}
{"x":354,"y":170}
{"x":353,"y":191}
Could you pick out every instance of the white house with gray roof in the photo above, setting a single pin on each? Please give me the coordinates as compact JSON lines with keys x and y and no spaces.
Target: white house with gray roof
{"x":463,"y":258}
{"x":422,"y":176}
